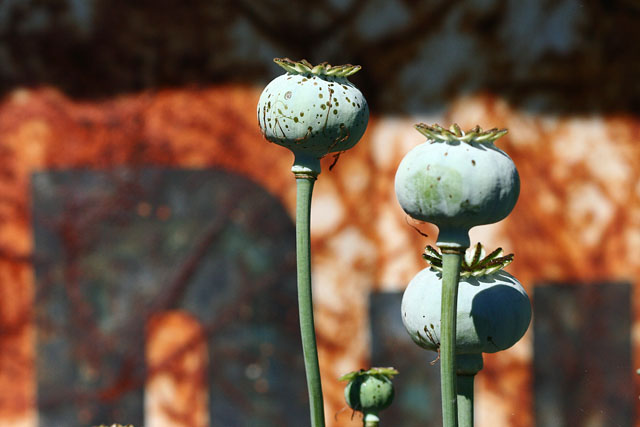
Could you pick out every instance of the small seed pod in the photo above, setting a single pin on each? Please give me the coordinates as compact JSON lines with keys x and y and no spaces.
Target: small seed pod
{"x":369,"y":391}
{"x":493,"y":310}
{"x":313,"y":110}
{"x":457,"y":180}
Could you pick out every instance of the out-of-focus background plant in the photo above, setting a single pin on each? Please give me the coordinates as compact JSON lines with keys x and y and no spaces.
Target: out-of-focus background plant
{"x":147,"y":256}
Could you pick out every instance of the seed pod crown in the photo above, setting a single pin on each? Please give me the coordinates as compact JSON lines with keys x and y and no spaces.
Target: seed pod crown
{"x":475,"y":263}
{"x":455,"y":134}
{"x":322,"y":69}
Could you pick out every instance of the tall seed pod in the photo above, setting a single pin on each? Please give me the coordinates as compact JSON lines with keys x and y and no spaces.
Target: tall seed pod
{"x":312,"y":111}
{"x":456,"y":180}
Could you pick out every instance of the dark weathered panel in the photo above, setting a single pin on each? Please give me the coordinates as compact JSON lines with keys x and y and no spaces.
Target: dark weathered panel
{"x":113,"y":248}
{"x":582,"y":355}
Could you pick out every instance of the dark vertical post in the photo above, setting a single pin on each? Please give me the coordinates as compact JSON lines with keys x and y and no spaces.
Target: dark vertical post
{"x":582,"y":355}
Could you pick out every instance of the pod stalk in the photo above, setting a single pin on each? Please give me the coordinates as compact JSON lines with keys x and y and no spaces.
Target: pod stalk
{"x":451,"y":261}
{"x":304,"y":184}
{"x":371,"y":420}
{"x":468,"y":365}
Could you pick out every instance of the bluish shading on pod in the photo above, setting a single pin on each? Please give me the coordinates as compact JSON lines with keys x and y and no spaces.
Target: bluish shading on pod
{"x":493,"y":311}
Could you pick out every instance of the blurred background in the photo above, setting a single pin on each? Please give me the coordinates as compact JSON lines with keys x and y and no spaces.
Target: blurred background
{"x":147,"y":255}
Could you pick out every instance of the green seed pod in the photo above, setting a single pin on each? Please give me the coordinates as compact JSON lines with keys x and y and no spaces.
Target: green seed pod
{"x":456,"y":181}
{"x":313,"y":110}
{"x":493,"y":310}
{"x":369,"y":391}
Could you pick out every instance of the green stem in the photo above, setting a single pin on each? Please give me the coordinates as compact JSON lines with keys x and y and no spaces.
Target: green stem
{"x":370,"y":420}
{"x":468,"y":365}
{"x":304,"y":184}
{"x":451,"y":259}
{"x":465,"y":400}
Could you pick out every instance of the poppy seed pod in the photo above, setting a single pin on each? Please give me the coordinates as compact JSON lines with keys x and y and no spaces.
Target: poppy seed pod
{"x":313,"y":110}
{"x":369,"y":391}
{"x":493,"y":310}
{"x":457,"y":180}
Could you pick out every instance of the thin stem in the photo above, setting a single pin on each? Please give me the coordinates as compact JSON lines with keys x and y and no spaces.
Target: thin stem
{"x":370,"y":420}
{"x":465,"y":400}
{"x":451,"y":259}
{"x":468,"y":365}
{"x":304,"y":184}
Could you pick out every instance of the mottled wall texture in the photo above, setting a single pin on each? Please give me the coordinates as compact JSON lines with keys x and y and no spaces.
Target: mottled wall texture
{"x":111,"y":86}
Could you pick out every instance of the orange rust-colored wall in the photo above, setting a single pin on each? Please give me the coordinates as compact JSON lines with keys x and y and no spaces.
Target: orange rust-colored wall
{"x":578,"y":217}
{"x":177,"y":358}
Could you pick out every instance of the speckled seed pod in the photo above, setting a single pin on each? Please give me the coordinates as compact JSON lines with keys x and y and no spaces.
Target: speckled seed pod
{"x":313,"y":110}
{"x":493,"y":310}
{"x":457,"y":180}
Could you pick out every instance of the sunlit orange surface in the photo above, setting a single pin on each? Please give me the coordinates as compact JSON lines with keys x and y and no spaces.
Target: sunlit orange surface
{"x":578,"y":218}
